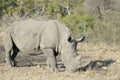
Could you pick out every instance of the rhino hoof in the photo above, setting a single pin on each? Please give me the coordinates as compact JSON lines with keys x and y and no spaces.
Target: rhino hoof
{"x":9,"y":65}
{"x":53,"y":70}
{"x":56,"y":70}
{"x":12,"y":64}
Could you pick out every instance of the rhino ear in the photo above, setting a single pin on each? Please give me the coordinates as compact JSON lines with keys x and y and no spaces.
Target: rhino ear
{"x":69,"y":38}
{"x":80,"y":39}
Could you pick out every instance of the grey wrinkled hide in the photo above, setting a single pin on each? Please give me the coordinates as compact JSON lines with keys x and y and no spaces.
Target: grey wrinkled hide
{"x":50,"y":37}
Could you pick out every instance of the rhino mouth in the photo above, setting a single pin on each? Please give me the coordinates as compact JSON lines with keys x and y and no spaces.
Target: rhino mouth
{"x":78,"y":64}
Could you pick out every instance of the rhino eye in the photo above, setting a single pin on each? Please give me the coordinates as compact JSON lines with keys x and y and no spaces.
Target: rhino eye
{"x":69,"y":39}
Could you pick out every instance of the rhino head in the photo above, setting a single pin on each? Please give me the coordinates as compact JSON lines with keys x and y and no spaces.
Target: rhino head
{"x":69,"y":56}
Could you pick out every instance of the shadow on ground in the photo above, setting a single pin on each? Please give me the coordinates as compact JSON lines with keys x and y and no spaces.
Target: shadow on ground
{"x":98,"y":64}
{"x":28,"y":61}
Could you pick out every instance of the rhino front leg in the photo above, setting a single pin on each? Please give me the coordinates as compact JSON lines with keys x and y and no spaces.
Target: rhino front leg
{"x":51,"y":60}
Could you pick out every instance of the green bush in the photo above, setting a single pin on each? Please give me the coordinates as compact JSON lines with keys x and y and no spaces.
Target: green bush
{"x":52,"y":9}
{"x":107,"y":30}
{"x":79,"y":24}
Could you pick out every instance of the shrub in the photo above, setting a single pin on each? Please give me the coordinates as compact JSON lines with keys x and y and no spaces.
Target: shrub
{"x":79,"y":24}
{"x":107,"y":30}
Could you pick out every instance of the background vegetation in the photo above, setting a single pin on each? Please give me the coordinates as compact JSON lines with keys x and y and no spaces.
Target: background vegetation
{"x":98,"y":20}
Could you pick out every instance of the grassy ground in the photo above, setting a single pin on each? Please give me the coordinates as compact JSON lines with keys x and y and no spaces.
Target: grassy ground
{"x":105,"y":64}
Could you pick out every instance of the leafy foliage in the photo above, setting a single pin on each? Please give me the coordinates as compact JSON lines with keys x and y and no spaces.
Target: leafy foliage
{"x":92,"y":18}
{"x":79,"y":24}
{"x":53,"y":9}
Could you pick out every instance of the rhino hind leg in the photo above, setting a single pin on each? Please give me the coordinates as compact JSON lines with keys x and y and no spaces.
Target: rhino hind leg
{"x":7,"y":41}
{"x":9,"y":62}
{"x":10,"y":49}
{"x":11,"y":53}
{"x":14,"y":54}
{"x":51,"y":60}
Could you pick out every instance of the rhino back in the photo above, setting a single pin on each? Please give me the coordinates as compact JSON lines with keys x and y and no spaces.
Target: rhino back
{"x":25,"y":34}
{"x":51,"y":36}
{"x":29,"y":34}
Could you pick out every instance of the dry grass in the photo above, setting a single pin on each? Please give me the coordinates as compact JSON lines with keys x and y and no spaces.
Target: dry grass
{"x":103,"y":53}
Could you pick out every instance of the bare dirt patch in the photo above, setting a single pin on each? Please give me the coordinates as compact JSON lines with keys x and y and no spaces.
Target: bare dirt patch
{"x":105,"y":64}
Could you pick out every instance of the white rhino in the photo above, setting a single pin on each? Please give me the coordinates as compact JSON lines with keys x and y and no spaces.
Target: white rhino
{"x":51,"y":37}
